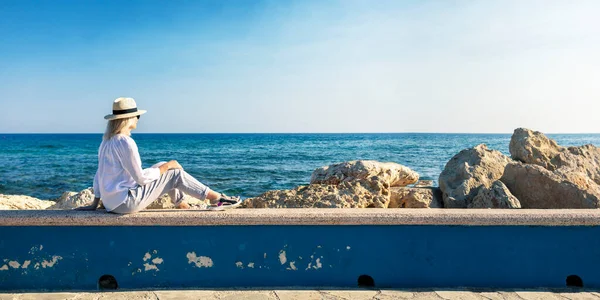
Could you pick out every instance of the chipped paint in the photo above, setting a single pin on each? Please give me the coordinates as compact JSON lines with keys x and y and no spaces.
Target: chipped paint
{"x":44,"y":264}
{"x":292,"y":266}
{"x":319,"y":246}
{"x":347,"y":247}
{"x":318,"y":264}
{"x":265,"y":256}
{"x":26,"y":264}
{"x":51,"y":263}
{"x":157,"y":261}
{"x":251,"y":265}
{"x":282,"y":257}
{"x":239,"y":264}
{"x":148,"y":267}
{"x":147,"y":256}
{"x":199,"y":261}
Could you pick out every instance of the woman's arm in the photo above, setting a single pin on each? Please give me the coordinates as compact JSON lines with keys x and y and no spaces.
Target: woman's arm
{"x":128,"y":154}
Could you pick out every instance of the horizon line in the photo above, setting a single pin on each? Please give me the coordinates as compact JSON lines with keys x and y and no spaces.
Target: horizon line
{"x":249,"y":133}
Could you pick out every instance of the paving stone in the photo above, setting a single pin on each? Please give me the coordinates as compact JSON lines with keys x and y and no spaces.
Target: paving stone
{"x":350,"y":294}
{"x":246,"y":294}
{"x":492,"y":295}
{"x":507,"y":296}
{"x":48,"y":296}
{"x":426,"y":296}
{"x":298,"y":295}
{"x":137,"y":295}
{"x":176,"y":295}
{"x":459,"y":295}
{"x":394,"y":294}
{"x":579,"y":296}
{"x":539,"y":295}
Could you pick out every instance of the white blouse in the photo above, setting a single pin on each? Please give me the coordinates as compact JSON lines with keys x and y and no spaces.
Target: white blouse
{"x":119,"y":170}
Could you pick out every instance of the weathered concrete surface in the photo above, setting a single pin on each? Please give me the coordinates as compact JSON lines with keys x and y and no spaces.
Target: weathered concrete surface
{"x":306,"y":216}
{"x":309,"y":294}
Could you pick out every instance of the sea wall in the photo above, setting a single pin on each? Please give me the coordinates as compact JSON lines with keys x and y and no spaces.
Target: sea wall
{"x":501,"y":248}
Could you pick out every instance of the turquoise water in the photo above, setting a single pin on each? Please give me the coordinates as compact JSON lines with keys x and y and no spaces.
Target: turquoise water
{"x":46,"y":165}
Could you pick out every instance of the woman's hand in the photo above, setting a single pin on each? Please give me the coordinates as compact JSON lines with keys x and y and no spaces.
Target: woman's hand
{"x":92,"y":206}
{"x":89,"y":207}
{"x":175,"y":165}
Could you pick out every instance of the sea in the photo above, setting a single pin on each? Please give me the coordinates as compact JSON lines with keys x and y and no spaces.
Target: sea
{"x":46,"y":165}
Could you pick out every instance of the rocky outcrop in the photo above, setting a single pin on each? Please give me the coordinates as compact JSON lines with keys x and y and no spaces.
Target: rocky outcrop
{"x":392,"y":173}
{"x":348,"y":194}
{"x":417,"y":197}
{"x":533,"y":147}
{"x":495,"y":196}
{"x":537,"y":187}
{"x":70,"y":200}
{"x":9,"y":202}
{"x":352,"y":184}
{"x":469,"y":170}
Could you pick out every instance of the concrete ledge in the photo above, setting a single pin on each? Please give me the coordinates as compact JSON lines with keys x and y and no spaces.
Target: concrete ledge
{"x":316,"y":216}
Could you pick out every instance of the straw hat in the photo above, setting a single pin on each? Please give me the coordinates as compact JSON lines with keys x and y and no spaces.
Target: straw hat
{"x":124,"y":108}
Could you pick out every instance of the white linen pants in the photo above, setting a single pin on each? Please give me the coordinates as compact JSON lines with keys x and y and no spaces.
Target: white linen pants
{"x":175,"y":182}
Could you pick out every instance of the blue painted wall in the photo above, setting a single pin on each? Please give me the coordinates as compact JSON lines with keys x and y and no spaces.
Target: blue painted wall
{"x":74,"y":258}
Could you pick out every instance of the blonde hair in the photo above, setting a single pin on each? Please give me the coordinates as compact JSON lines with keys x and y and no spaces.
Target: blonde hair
{"x":115,"y":127}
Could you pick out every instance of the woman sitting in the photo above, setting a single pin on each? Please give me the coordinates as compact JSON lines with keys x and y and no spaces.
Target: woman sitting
{"x":127,"y":188}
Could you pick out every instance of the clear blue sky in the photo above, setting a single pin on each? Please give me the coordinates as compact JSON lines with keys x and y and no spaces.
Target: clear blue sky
{"x":302,"y":66}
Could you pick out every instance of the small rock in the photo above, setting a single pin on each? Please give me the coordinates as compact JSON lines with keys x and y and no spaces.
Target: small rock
{"x":426,"y":197}
{"x":70,"y":200}
{"x":496,"y":196}
{"x":424,"y":183}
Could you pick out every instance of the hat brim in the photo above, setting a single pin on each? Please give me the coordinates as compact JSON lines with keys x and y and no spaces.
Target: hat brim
{"x":125,"y":116}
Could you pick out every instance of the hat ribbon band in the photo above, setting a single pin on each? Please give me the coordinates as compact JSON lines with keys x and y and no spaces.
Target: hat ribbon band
{"x":124,"y":111}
